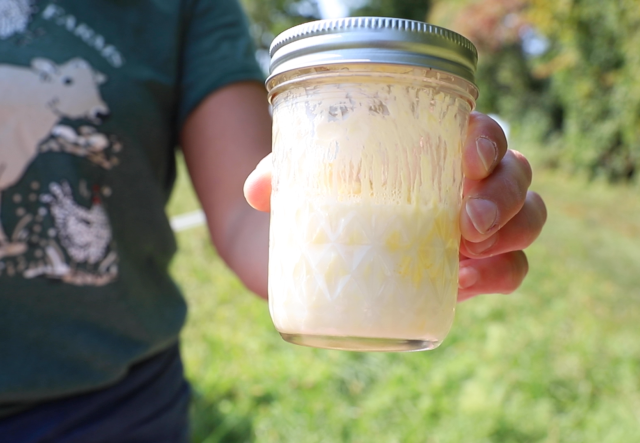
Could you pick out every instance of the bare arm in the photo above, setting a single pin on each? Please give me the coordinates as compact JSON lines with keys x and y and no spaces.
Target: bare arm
{"x":223,"y":140}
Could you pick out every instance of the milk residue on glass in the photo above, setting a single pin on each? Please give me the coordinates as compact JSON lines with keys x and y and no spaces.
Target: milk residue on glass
{"x":367,"y":190}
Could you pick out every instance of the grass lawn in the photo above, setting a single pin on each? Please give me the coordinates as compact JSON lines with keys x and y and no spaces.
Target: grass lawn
{"x":558,"y":361}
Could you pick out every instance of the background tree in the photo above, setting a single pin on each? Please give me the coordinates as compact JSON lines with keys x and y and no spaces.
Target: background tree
{"x":270,"y":17}
{"x":578,"y":98}
{"x":410,"y":9}
{"x":593,"y":66}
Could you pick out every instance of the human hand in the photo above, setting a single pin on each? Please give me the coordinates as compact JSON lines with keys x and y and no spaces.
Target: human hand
{"x":499,"y":217}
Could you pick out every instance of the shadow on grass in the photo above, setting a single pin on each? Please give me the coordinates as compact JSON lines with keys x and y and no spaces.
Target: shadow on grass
{"x":213,"y":420}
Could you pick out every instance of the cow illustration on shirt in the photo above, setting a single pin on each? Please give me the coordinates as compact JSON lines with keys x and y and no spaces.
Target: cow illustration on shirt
{"x":32,"y":101}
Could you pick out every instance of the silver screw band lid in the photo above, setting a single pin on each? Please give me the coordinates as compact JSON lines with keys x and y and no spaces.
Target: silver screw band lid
{"x":373,"y":40}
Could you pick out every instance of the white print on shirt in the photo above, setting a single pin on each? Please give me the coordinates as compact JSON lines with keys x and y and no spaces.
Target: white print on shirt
{"x":14,"y":17}
{"x":85,"y":33}
{"x":86,"y":142}
{"x":33,"y":100}
{"x":69,"y":242}
{"x":84,"y":232}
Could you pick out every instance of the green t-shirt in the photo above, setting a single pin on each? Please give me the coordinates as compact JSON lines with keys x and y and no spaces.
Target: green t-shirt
{"x":92,"y":97}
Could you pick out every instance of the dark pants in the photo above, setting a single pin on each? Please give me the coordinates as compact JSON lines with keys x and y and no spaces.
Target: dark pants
{"x":149,"y":406}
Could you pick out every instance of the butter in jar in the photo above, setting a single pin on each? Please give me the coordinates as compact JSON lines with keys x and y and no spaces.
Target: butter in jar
{"x":369,"y":117}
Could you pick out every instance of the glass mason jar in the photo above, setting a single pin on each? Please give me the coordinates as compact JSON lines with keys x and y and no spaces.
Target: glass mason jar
{"x":369,"y":118}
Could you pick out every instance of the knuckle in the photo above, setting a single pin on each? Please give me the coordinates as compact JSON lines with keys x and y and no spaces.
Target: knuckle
{"x":518,"y":268}
{"x":482,"y":124}
{"x":539,"y":204}
{"x":523,"y":165}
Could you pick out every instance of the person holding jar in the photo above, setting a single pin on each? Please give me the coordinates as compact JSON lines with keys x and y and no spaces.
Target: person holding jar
{"x":90,"y":116}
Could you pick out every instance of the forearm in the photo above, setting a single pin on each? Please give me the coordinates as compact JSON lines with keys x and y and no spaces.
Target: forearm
{"x":248,"y":248}
{"x":223,"y":140}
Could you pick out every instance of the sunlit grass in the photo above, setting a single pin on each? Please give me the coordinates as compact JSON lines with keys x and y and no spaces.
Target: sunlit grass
{"x":558,"y":361}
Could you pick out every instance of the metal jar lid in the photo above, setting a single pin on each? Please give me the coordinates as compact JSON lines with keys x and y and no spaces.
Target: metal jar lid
{"x":373,"y":40}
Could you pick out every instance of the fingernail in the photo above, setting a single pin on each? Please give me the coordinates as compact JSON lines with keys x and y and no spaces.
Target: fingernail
{"x":487,"y":151}
{"x":480,"y":247}
{"x":483,"y":214}
{"x":467,"y":277}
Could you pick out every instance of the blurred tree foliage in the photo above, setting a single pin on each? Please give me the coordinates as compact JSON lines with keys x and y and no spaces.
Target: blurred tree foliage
{"x":271,"y":17}
{"x":593,"y":64}
{"x":410,"y":9}
{"x":561,"y":72}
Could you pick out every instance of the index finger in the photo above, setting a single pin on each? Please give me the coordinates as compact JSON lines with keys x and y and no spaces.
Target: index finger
{"x":484,"y":146}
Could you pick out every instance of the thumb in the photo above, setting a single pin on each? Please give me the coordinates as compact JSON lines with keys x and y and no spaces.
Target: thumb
{"x":257,"y":186}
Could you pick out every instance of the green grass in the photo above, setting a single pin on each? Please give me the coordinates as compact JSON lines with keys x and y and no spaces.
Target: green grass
{"x":558,"y":361}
